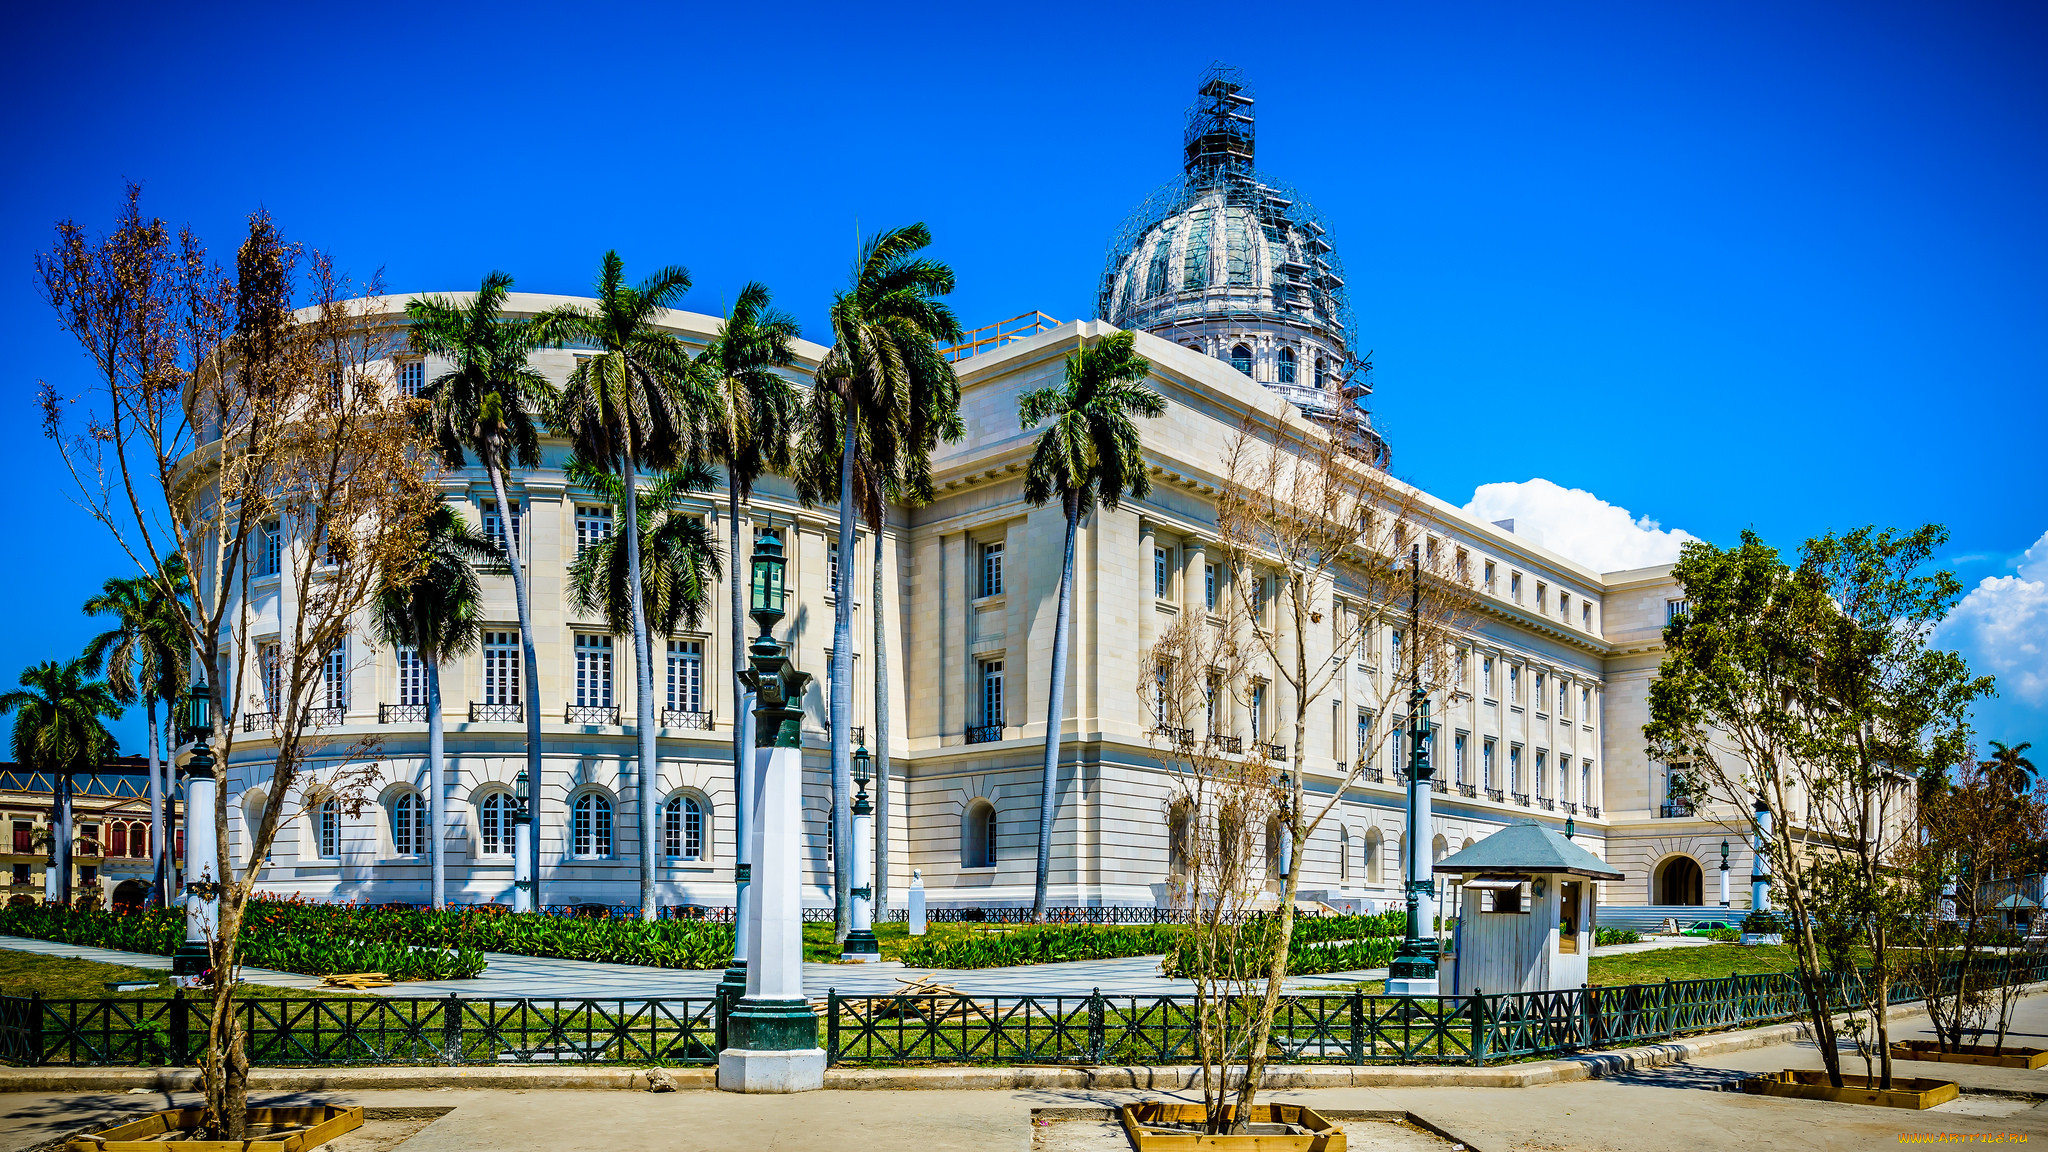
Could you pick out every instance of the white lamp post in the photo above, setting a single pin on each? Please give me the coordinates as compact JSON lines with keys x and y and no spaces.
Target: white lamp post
{"x":861,"y":946}
{"x":522,"y":845}
{"x":202,"y":856}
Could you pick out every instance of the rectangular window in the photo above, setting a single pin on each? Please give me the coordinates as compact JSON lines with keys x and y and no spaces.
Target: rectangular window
{"x":1564,"y":699}
{"x":1209,"y":587}
{"x":1211,"y":689}
{"x":1676,"y":610}
{"x":334,"y":678}
{"x":1464,"y":566}
{"x":1586,"y":615}
{"x":1262,"y":593}
{"x":1515,"y":587}
{"x":1542,"y":596}
{"x":1394,"y":649}
{"x":1161,"y":572}
{"x":1585,"y":781}
{"x":412,"y":376}
{"x":1486,"y":762}
{"x":1539,"y":692}
{"x":1542,"y":764}
{"x":494,"y":527}
{"x":494,"y":824}
{"x":1258,"y":709}
{"x":686,"y":675}
{"x":593,"y":671}
{"x":1564,"y":606}
{"x":1514,"y":684}
{"x":832,"y":567}
{"x":1564,"y":776}
{"x":1586,"y":704}
{"x":1463,"y":667}
{"x":593,"y":523}
{"x":270,"y":667}
{"x":1489,"y":576}
{"x":1364,"y":737}
{"x":1159,"y":678}
{"x":992,"y":693}
{"x":412,"y":677}
{"x":501,"y":667}
{"x":1515,"y":769}
{"x":330,"y":830}
{"x":1486,"y":675}
{"x":1458,"y":746}
{"x":270,"y":549}
{"x":992,"y":569}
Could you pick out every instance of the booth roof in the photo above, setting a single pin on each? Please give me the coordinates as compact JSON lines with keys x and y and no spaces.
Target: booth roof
{"x":1527,"y":846}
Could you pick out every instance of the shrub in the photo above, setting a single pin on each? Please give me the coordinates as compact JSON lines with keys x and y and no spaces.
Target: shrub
{"x":1043,"y":944}
{"x":1319,"y":944}
{"x":268,"y":941}
{"x":1725,"y":936}
{"x":1762,"y":923}
{"x":1608,"y":937}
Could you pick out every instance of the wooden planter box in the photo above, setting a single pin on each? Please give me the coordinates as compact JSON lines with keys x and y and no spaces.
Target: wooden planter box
{"x":1801,"y":1084}
{"x":1971,"y":1054}
{"x":272,"y":1130}
{"x":1141,"y":1124}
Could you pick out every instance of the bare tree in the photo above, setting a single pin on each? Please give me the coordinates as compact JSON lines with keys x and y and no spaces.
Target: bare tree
{"x":248,"y":422}
{"x":1313,"y":534}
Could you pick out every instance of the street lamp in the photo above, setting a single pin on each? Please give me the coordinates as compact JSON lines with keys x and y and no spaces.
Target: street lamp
{"x":861,"y":945}
{"x":770,"y":1042}
{"x":522,"y":843}
{"x":202,"y":890}
{"x":1286,"y":846}
{"x":1724,"y":873}
{"x":1413,"y":971}
{"x":1571,"y":826}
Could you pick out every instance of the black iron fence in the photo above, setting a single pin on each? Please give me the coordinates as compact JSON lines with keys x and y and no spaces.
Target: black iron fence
{"x":1352,"y":1028}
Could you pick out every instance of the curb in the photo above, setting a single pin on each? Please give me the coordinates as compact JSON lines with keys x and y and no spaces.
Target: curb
{"x":1561,"y":1070}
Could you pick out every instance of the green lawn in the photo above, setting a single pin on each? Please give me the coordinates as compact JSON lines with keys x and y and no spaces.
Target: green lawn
{"x":1661,"y":964}
{"x":69,"y":978}
{"x":892,"y":936}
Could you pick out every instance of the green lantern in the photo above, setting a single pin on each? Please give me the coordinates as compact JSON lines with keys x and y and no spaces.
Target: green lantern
{"x":766,"y":585}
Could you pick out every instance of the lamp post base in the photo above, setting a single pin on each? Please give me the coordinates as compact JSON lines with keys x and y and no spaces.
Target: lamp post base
{"x":1412,"y":986}
{"x":861,"y":947}
{"x":784,"y":1070}
{"x":191,"y":958}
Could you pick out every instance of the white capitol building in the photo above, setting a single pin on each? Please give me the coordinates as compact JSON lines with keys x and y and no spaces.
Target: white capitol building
{"x":1233,"y":286}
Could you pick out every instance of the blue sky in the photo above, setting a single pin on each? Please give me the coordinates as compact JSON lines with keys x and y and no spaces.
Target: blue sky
{"x":1769,"y":265}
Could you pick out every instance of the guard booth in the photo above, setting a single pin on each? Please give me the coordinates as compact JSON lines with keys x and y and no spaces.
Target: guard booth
{"x":1526,"y":915}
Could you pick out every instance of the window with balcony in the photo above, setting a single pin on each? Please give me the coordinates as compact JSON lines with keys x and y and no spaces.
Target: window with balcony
{"x":412,"y":677}
{"x":501,"y":668}
{"x":593,"y":675}
{"x":686,"y":676}
{"x":1287,"y":366}
{"x":334,"y":680}
{"x":992,"y":693}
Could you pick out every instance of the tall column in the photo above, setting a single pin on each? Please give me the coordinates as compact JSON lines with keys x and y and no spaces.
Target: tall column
{"x":202,"y":860}
{"x":772,"y":1034}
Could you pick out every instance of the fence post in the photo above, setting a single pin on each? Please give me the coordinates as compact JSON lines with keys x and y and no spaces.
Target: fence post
{"x":451,"y":1030}
{"x":35,"y":1029}
{"x":718,"y":1008}
{"x":181,"y":1029}
{"x":1585,"y":1017}
{"x":831,"y":1026}
{"x":1480,"y":1032}
{"x":1664,"y":1008}
{"x":1097,"y":1038}
{"x":1358,"y":1025}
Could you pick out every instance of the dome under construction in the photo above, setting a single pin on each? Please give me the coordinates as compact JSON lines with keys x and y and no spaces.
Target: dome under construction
{"x":1235,"y":264}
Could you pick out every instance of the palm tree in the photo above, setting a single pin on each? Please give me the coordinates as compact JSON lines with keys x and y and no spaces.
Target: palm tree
{"x":756,"y":409}
{"x":145,"y":656}
{"x":437,"y":612}
{"x":884,"y":396}
{"x":1090,"y":454}
{"x":58,"y":729}
{"x":486,"y":404}
{"x":678,"y":558}
{"x":2009,"y":768}
{"x":637,"y":402}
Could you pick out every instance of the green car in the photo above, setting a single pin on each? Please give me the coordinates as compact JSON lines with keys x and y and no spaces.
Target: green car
{"x":1708,"y":928}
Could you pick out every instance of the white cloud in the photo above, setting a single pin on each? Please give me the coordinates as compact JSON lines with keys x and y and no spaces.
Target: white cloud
{"x":1578,"y":525}
{"x":2002,"y":627}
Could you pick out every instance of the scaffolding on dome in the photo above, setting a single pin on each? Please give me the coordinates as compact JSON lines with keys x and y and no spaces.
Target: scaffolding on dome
{"x":1305,"y":287}
{"x":990,"y":337}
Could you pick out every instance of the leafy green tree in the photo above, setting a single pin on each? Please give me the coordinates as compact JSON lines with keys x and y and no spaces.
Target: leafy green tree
{"x":59,"y":728}
{"x":638,"y":401}
{"x":751,"y":435}
{"x":1089,"y":454}
{"x":884,"y":396}
{"x":679,"y":559}
{"x":487,"y":404}
{"x":145,"y":655}
{"x":437,"y":611}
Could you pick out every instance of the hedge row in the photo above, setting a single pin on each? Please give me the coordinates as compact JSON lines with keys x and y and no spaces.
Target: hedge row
{"x":1047,"y":944}
{"x":283,"y":945}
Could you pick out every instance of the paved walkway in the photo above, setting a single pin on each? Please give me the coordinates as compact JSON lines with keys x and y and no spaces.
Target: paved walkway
{"x":513,"y":977}
{"x":1682,"y":1108}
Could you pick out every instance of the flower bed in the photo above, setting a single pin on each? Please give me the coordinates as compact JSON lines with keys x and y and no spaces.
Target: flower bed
{"x":284,"y":943}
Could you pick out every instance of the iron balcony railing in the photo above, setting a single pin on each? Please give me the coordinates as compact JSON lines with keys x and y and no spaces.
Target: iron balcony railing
{"x":1178,"y":737}
{"x":1276,"y":752}
{"x":685,"y":718}
{"x":1471,"y":790}
{"x":1592,"y":810}
{"x":1546,"y":803}
{"x":1674,"y":809}
{"x":325,"y":717}
{"x":1571,"y":809}
{"x":985,"y":734}
{"x":1234,"y":745}
{"x":401,"y":713}
{"x":1522,"y":798}
{"x":1439,"y":784}
{"x":1375,"y":775}
{"x":479,"y":713}
{"x":859,"y":734}
{"x":1496,"y":795}
{"x":258,"y":721}
{"x":590,"y":714}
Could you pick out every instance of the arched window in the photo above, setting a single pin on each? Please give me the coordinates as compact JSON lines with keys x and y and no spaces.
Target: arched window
{"x":1372,"y":856}
{"x":1287,"y":365}
{"x":1155,"y":279}
{"x":1322,"y":374}
{"x":682,"y":828}
{"x":408,"y":825}
{"x":1241,"y":358}
{"x":978,"y":836}
{"x":494,"y":824}
{"x":254,"y":802}
{"x":1438,"y":849}
{"x":327,"y":827}
{"x":590,"y":827}
{"x":1679,"y":881}
{"x":117,"y":838}
{"x":1180,"y":839}
{"x":1344,"y":855}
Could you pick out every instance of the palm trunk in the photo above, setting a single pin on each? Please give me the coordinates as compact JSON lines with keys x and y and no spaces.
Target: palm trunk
{"x":156,"y":815}
{"x":529,"y":663}
{"x":643,"y":688}
{"x":881,"y":749}
{"x":743,"y":700}
{"x":437,"y":801}
{"x":1055,"y":712}
{"x":842,"y":695}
